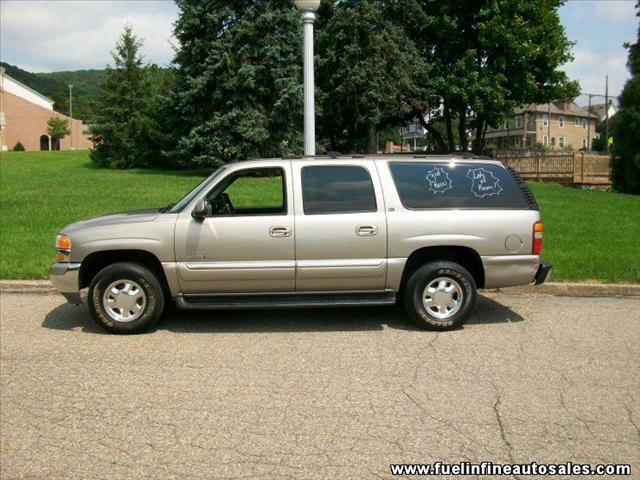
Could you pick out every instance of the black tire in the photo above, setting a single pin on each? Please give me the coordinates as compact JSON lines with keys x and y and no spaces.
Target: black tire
{"x":150,"y":286}
{"x":422,"y":277}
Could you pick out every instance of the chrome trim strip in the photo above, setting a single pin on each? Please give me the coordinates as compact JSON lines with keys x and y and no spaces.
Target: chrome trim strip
{"x":342,"y":263}
{"x":250,"y":265}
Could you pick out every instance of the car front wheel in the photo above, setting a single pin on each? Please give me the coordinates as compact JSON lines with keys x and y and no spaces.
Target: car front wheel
{"x":440,"y":295}
{"x":126,"y":298}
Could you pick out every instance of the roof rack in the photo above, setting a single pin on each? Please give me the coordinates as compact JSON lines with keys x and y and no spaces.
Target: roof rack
{"x":335,"y":155}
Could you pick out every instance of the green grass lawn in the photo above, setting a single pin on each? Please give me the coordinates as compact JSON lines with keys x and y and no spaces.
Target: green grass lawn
{"x":588,"y":235}
{"x":41,"y":192}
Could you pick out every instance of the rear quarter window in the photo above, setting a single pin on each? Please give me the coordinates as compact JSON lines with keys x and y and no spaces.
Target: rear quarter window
{"x":456,"y":185}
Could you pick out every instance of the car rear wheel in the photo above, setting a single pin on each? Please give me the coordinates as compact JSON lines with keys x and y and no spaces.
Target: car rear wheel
{"x":440,"y":295}
{"x":126,"y":298}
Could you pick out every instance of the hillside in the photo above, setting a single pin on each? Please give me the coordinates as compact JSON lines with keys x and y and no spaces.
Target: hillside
{"x":86,"y":86}
{"x":55,"y":86}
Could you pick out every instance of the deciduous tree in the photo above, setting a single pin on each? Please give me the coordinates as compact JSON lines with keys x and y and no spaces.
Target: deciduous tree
{"x":626,"y":126}
{"x":484,"y":58}
{"x":57,"y":128}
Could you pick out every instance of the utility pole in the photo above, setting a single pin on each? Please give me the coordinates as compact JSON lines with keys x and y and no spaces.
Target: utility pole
{"x":549,"y":125}
{"x":607,"y":98}
{"x":308,"y":9}
{"x":71,"y":115}
{"x":2,"y":117}
{"x":589,"y":124}
{"x":606,"y":109}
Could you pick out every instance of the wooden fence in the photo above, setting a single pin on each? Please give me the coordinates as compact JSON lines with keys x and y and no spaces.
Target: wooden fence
{"x":579,"y":167}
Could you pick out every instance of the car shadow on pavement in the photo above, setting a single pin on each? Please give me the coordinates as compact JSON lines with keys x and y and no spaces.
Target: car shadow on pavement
{"x":72,"y":317}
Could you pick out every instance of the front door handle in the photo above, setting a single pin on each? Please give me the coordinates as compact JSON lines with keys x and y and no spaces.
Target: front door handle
{"x":280,"y":231}
{"x":366,"y":230}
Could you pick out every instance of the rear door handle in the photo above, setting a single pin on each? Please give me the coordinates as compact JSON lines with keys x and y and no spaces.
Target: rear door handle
{"x":280,"y":231}
{"x":366,"y":230}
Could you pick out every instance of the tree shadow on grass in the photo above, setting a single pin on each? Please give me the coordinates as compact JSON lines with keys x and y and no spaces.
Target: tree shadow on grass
{"x":487,"y":311}
{"x":201,"y":172}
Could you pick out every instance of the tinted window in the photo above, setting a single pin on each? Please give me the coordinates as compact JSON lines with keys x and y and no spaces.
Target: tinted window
{"x":337,"y":189}
{"x":467,"y":185}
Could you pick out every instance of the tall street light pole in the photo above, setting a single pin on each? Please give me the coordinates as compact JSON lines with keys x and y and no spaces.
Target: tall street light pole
{"x":308,"y":9}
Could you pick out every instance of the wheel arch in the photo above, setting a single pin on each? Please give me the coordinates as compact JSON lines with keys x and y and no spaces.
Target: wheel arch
{"x":96,"y":261}
{"x":465,"y":256}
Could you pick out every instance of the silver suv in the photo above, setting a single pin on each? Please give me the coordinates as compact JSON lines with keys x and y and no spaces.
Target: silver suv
{"x":312,"y":232}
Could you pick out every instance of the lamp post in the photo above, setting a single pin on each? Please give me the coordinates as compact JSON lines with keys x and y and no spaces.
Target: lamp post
{"x":308,"y":9}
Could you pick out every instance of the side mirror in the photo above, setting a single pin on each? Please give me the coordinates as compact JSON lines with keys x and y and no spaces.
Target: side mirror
{"x":199,"y":212}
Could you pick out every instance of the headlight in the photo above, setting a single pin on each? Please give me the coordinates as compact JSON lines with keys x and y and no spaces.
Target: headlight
{"x":63,"y":248}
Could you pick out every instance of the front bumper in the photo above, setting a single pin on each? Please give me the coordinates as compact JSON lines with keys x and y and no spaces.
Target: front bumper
{"x":64,"y":278}
{"x":543,"y":273}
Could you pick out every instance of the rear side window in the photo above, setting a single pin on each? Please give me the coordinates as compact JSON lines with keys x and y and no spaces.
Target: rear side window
{"x":337,"y":189}
{"x":460,"y":185}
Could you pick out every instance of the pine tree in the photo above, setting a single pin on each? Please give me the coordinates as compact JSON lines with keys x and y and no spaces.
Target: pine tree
{"x":238,"y":89}
{"x":122,"y":125}
{"x":367,"y":71}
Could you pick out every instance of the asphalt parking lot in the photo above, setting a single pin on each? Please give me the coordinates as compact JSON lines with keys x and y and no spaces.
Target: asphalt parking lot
{"x":316,"y":393}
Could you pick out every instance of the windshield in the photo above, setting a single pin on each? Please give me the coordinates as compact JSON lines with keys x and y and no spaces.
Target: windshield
{"x":178,"y":207}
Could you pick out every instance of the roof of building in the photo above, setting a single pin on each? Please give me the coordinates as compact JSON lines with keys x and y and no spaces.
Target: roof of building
{"x":7,"y":76}
{"x":558,"y":108}
{"x":600,"y":109}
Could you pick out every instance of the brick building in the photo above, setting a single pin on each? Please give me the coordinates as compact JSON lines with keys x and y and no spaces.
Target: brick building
{"x":556,"y":125}
{"x":23,"y":118}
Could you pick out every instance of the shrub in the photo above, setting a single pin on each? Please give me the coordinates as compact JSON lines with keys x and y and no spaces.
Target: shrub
{"x":18,"y":147}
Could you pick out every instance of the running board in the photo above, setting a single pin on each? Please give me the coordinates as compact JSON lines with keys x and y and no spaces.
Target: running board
{"x":241,"y":302}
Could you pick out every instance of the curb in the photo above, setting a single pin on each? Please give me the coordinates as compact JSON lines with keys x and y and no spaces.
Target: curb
{"x":570,"y":289}
{"x":553,"y":288}
{"x":26,"y":286}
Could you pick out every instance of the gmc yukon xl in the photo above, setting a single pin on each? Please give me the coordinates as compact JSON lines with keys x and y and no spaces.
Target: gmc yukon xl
{"x":427,"y":231}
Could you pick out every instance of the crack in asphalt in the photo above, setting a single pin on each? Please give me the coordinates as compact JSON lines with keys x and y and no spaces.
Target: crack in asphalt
{"x":345,"y":400}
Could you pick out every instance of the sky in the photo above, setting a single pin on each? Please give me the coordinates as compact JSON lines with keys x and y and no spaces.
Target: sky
{"x":44,"y":36}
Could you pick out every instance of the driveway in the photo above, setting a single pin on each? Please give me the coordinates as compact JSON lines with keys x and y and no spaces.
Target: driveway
{"x":316,"y":393}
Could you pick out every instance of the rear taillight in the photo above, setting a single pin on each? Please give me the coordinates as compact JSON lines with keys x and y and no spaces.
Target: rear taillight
{"x":537,"y":238}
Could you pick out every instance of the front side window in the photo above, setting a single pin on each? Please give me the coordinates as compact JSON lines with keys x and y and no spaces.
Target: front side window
{"x":256,"y":191}
{"x":561,"y":142}
{"x":545,"y":140}
{"x":456,"y":185}
{"x":545,"y":120}
{"x":561,"y":121}
{"x":518,"y":122}
{"x":337,"y":189}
